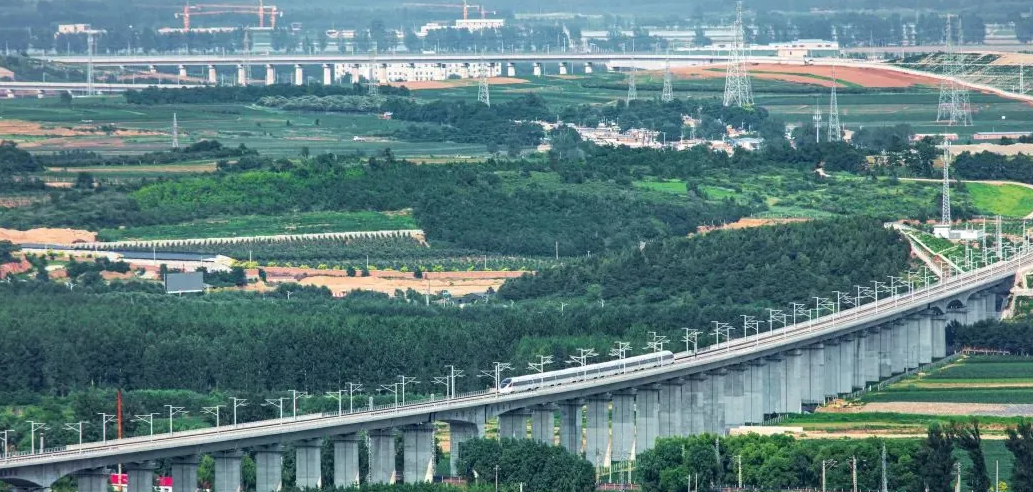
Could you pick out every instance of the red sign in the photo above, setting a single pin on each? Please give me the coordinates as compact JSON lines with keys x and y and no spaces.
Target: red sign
{"x":119,"y":480}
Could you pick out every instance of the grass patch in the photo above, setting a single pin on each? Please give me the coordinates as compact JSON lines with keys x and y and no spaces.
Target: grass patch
{"x":674,"y":186}
{"x":265,"y":225}
{"x":1018,"y":395}
{"x":1007,"y":200}
{"x":987,"y":369}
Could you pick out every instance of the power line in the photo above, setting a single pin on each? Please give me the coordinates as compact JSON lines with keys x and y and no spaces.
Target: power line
{"x":737,"y":79}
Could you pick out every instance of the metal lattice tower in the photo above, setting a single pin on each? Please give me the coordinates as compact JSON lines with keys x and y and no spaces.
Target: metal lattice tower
{"x":954,"y":107}
{"x":632,"y":90}
{"x":945,"y":206}
{"x":483,"y":94}
{"x":961,"y":114}
{"x":372,"y":86}
{"x":943,"y":109}
{"x":89,"y":63}
{"x":668,"y":94}
{"x":175,"y":131}
{"x":737,"y":79}
{"x":817,"y":123}
{"x":835,"y":130}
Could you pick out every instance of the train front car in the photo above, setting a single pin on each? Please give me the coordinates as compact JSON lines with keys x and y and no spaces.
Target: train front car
{"x":535,"y":381}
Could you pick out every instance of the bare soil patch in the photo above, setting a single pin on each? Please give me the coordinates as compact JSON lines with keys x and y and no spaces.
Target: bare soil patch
{"x":456,"y":287}
{"x":59,"y":236}
{"x":865,"y":77}
{"x":748,"y":222}
{"x":33,"y":129}
{"x":171,"y":168}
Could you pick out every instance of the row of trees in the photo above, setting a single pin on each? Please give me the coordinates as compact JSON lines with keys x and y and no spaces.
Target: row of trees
{"x":249,"y":93}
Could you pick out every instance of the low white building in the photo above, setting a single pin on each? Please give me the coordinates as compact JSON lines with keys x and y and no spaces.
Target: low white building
{"x":415,"y":72}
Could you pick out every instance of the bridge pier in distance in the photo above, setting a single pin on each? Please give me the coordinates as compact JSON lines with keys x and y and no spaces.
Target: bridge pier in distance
{"x":939,"y":332}
{"x":382,"y":456}
{"x":510,"y":69}
{"x":213,"y":76}
{"x":990,"y":310}
{"x":815,"y":384}
{"x":860,"y":353}
{"x":912,"y":327}
{"x":847,"y":357}
{"x":597,"y":440}
{"x":775,"y":391}
{"x":794,"y":377}
{"x":871,"y":355}
{"x":714,"y":402}
{"x":270,"y":74}
{"x":571,"y":425}
{"x":898,"y":353}
{"x":831,"y":353}
{"x":755,"y":378}
{"x":268,"y":468}
{"x":563,"y":68}
{"x":734,"y":397}
{"x":418,"y":453}
{"x":308,"y":464}
{"x":537,"y":69}
{"x":623,"y":425}
{"x":676,"y":407}
{"x":647,"y":417}
{"x":925,"y":339}
{"x":184,"y":474}
{"x":346,"y":461}
{"x":93,"y":479}
{"x":227,"y":471}
{"x":140,"y":476}
{"x":460,"y":432}
{"x":974,"y":309}
{"x":328,"y":74}
{"x":513,"y":424}
{"x":543,"y":423}
{"x":588,"y":68}
{"x":885,"y":351}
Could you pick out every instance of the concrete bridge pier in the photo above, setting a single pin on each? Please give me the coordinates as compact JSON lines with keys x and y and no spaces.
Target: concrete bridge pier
{"x":898,"y":348}
{"x":597,"y":439}
{"x":93,"y":479}
{"x":227,"y":471}
{"x":714,"y":402}
{"x":510,"y":69}
{"x":346,"y":461}
{"x":537,"y":69}
{"x":418,"y":453}
{"x":241,"y":74}
{"x":141,"y":476}
{"x":299,"y":74}
{"x":464,"y":70}
{"x":543,"y":423}
{"x":847,"y":357}
{"x":647,"y":417}
{"x":309,"y":470}
{"x":268,"y":468}
{"x":871,"y":354}
{"x":623,"y":425}
{"x":939,"y":332}
{"x":815,"y":355}
{"x":182,"y":71}
{"x":734,"y":397}
{"x":513,"y":424}
{"x":832,"y":368}
{"x":672,"y":407}
{"x":588,"y":68}
{"x":691,"y":406}
{"x":793,"y":381}
{"x":382,"y":456}
{"x":914,"y":327}
{"x":885,"y":351}
{"x":213,"y":76}
{"x":776,"y":387}
{"x":860,"y":359}
{"x":925,"y":339}
{"x":990,"y":309}
{"x":756,"y":378}
{"x":270,"y":74}
{"x":564,"y":68}
{"x":459,"y":433}
{"x":571,"y":425}
{"x":328,"y":74}
{"x":355,"y":73}
{"x":184,"y":474}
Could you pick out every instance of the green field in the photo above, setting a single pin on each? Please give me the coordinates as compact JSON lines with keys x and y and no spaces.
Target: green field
{"x":1001,"y":368}
{"x":1007,"y":200}
{"x":262,"y":225}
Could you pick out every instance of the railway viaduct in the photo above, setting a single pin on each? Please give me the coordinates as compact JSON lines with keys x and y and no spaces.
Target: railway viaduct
{"x":736,"y":382}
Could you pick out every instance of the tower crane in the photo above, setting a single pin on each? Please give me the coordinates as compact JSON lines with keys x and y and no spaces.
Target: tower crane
{"x":465,"y":6}
{"x":222,"y":9}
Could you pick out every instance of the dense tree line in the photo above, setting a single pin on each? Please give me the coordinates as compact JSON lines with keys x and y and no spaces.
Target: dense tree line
{"x":204,"y":149}
{"x":249,"y":93}
{"x":539,"y":467}
{"x":15,"y":161}
{"x":989,"y":165}
{"x":1012,"y":335}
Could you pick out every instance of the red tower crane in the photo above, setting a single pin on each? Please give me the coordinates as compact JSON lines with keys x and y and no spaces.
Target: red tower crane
{"x":221,"y":9}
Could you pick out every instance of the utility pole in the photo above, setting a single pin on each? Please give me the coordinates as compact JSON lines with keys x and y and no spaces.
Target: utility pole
{"x":885,"y":479}
{"x":825,"y":465}
{"x":404,"y":380}
{"x":275,"y":402}
{"x":817,"y":123}
{"x":496,"y":374}
{"x":738,"y":462}
{"x":539,"y":367}
{"x":582,"y":358}
{"x":173,"y":411}
{"x":3,"y":439}
{"x":105,"y":419}
{"x":295,"y":394}
{"x":237,"y":402}
{"x":77,"y":426}
{"x":175,"y":132}
{"x":147,"y":419}
{"x":213,"y":410}
{"x":853,"y":473}
{"x":620,"y":351}
{"x":691,"y":336}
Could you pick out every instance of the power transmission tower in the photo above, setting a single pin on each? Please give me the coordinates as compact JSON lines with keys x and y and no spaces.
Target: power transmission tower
{"x":668,"y":93}
{"x":175,"y":132}
{"x":1022,"y":81}
{"x":835,"y":130}
{"x":89,"y":62}
{"x":483,"y":95}
{"x":632,"y":90}
{"x":371,"y":86}
{"x":953,"y":108}
{"x":737,"y":79}
{"x":817,"y":123}
{"x":943,"y":109}
{"x":961,"y":114}
{"x":945,"y":207}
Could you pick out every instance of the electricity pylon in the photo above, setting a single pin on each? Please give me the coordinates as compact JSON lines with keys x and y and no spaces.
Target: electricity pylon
{"x":737,"y":79}
{"x":668,"y":94}
{"x":835,"y":130}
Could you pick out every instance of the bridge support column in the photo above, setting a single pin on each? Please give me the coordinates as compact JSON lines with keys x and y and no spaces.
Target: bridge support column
{"x":355,"y":71}
{"x":563,"y":68}
{"x":672,"y":409}
{"x":464,"y":70}
{"x":382,"y":456}
{"x":925,"y":339}
{"x":270,"y":74}
{"x":793,"y":380}
{"x":418,"y":453}
{"x":990,"y":309}
{"x":513,"y":424}
{"x":93,"y":480}
{"x":346,"y":460}
{"x":815,"y":355}
{"x":913,"y":326}
{"x":939,"y":335}
{"x":182,"y":71}
{"x":184,"y":474}
{"x":268,"y":468}
{"x":647,"y":417}
{"x":734,"y":397}
{"x":571,"y":425}
{"x":974,"y":309}
{"x":860,"y":350}
{"x":898,"y":347}
{"x":241,"y":74}
{"x":588,"y":68}
{"x":695,"y":408}
{"x":714,"y":402}
{"x":213,"y":76}
{"x":141,"y":476}
{"x":309,"y":470}
{"x":623,"y":425}
{"x":328,"y":74}
{"x":510,"y":69}
{"x":847,"y":357}
{"x":597,"y":439}
{"x":871,"y":355}
{"x":299,"y":74}
{"x":227,"y":471}
{"x":755,"y":379}
{"x":537,"y":69}
{"x":543,"y":423}
{"x":776,"y":388}
{"x":832,"y":367}
{"x":459,"y":433}
{"x":885,"y":351}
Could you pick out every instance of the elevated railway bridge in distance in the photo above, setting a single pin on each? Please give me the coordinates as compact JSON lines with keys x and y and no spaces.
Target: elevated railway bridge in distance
{"x":736,"y":382}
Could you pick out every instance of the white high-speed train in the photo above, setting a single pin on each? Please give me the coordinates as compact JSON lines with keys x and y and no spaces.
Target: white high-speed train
{"x":582,"y":373}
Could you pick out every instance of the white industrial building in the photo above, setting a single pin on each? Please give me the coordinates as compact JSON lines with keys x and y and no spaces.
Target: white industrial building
{"x":414,"y":72}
